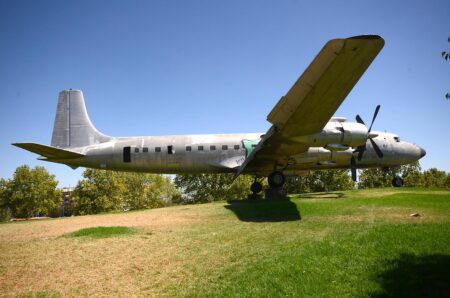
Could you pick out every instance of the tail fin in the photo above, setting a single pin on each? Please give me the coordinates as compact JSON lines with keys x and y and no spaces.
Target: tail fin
{"x":73,"y":128}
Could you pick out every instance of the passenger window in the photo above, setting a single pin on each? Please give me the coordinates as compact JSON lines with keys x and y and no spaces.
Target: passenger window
{"x":170,"y":149}
{"x":145,"y":149}
{"x":136,"y":150}
{"x":236,"y":147}
{"x":157,"y":149}
{"x":224,"y":147}
{"x":188,"y":148}
{"x":200,"y":148}
{"x":212,"y":147}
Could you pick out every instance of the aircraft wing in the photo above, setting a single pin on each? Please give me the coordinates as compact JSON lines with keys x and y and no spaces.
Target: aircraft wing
{"x":313,"y":99}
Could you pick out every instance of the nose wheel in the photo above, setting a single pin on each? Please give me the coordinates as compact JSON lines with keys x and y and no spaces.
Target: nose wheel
{"x":397,"y":181}
{"x":276,"y":179}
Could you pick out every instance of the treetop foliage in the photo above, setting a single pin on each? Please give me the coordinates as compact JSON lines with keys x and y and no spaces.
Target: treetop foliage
{"x":29,"y":192}
{"x":202,"y":188}
{"x":103,"y":191}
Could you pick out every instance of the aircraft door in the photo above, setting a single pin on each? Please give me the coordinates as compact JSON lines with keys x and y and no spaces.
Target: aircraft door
{"x":127,"y":154}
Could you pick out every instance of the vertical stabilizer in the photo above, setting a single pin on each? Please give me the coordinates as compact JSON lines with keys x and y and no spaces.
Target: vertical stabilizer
{"x":73,"y":128}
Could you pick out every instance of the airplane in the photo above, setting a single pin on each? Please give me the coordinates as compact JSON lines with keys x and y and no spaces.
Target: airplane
{"x":304,"y":136}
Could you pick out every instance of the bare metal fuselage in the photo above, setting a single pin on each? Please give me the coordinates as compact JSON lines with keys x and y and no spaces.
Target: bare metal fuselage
{"x":224,"y":153}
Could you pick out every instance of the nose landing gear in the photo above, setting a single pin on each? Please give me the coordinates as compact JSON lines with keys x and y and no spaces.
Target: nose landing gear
{"x":397,"y":181}
{"x":276,"y":179}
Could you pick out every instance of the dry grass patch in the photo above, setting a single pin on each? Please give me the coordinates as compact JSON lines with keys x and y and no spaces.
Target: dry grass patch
{"x":157,"y":219}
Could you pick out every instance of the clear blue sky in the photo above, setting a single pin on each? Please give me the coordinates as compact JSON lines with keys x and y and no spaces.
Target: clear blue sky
{"x":183,"y":67}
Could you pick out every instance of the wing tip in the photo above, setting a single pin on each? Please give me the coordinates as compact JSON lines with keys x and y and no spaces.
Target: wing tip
{"x":368,"y":36}
{"x":373,"y":38}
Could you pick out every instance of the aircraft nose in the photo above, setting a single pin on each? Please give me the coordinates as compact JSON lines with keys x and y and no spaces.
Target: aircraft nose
{"x":422,"y":152}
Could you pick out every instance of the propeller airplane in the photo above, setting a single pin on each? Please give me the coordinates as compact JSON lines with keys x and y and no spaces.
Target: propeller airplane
{"x":304,"y":136}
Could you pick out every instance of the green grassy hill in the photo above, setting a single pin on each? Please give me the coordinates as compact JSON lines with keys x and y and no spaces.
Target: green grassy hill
{"x":341,"y":244}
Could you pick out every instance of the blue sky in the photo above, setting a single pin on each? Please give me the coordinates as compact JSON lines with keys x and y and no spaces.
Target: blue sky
{"x":183,"y":67}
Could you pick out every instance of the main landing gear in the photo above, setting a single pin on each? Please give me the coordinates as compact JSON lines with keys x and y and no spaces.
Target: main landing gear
{"x":256,"y":187}
{"x":276,"y":181}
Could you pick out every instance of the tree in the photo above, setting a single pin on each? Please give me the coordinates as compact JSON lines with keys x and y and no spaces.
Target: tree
{"x":30,"y":192}
{"x":5,"y":212}
{"x":201,"y":188}
{"x":331,"y":180}
{"x":99,"y":191}
{"x":375,"y":177}
{"x":447,"y":181}
{"x":320,"y":180}
{"x":411,"y":174}
{"x":104,"y":191}
{"x":145,"y":191}
{"x":434,"y":178}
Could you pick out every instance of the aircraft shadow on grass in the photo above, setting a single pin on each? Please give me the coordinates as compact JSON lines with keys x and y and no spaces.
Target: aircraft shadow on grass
{"x":267,"y":210}
{"x":415,"y":276}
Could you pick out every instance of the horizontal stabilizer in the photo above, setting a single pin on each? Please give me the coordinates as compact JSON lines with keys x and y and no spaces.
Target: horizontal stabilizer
{"x":48,"y":151}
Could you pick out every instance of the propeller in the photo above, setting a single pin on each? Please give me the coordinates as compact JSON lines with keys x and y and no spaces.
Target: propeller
{"x":353,"y":168}
{"x":361,"y":149}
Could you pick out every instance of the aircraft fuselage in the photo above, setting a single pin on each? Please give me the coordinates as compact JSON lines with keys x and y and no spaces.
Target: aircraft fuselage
{"x":223,"y":153}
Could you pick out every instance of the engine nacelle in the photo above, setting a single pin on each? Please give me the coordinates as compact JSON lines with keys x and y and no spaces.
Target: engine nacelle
{"x":318,"y":155}
{"x":338,"y":135}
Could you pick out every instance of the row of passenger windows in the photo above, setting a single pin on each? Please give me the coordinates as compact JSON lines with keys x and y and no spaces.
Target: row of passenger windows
{"x":170,"y":149}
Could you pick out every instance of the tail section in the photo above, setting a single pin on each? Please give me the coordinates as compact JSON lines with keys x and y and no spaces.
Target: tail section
{"x":73,"y":128}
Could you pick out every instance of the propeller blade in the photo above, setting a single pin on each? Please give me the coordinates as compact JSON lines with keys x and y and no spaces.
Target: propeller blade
{"x":376,"y":148}
{"x":360,"y":154}
{"x":359,"y":120}
{"x":377,"y":109}
{"x":353,"y":168}
{"x":360,"y":150}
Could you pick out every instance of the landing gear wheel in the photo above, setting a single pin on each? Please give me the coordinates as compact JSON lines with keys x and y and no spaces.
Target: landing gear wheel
{"x":397,"y":181}
{"x":256,"y":187}
{"x":276,"y":179}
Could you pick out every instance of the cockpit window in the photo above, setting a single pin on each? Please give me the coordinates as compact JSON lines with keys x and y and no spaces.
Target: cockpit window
{"x":397,"y":139}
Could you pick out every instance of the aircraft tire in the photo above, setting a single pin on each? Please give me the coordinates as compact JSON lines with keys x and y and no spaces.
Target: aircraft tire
{"x":256,"y":187}
{"x":397,"y":181}
{"x":276,"y":179}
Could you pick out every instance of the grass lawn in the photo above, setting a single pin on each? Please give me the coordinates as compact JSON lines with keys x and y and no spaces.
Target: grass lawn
{"x":342,"y":244}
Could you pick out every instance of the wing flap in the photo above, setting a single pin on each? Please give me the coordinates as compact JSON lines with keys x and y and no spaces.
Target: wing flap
{"x":49,"y":151}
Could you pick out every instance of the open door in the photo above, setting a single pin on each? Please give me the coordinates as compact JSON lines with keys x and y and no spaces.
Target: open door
{"x":127,"y":154}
